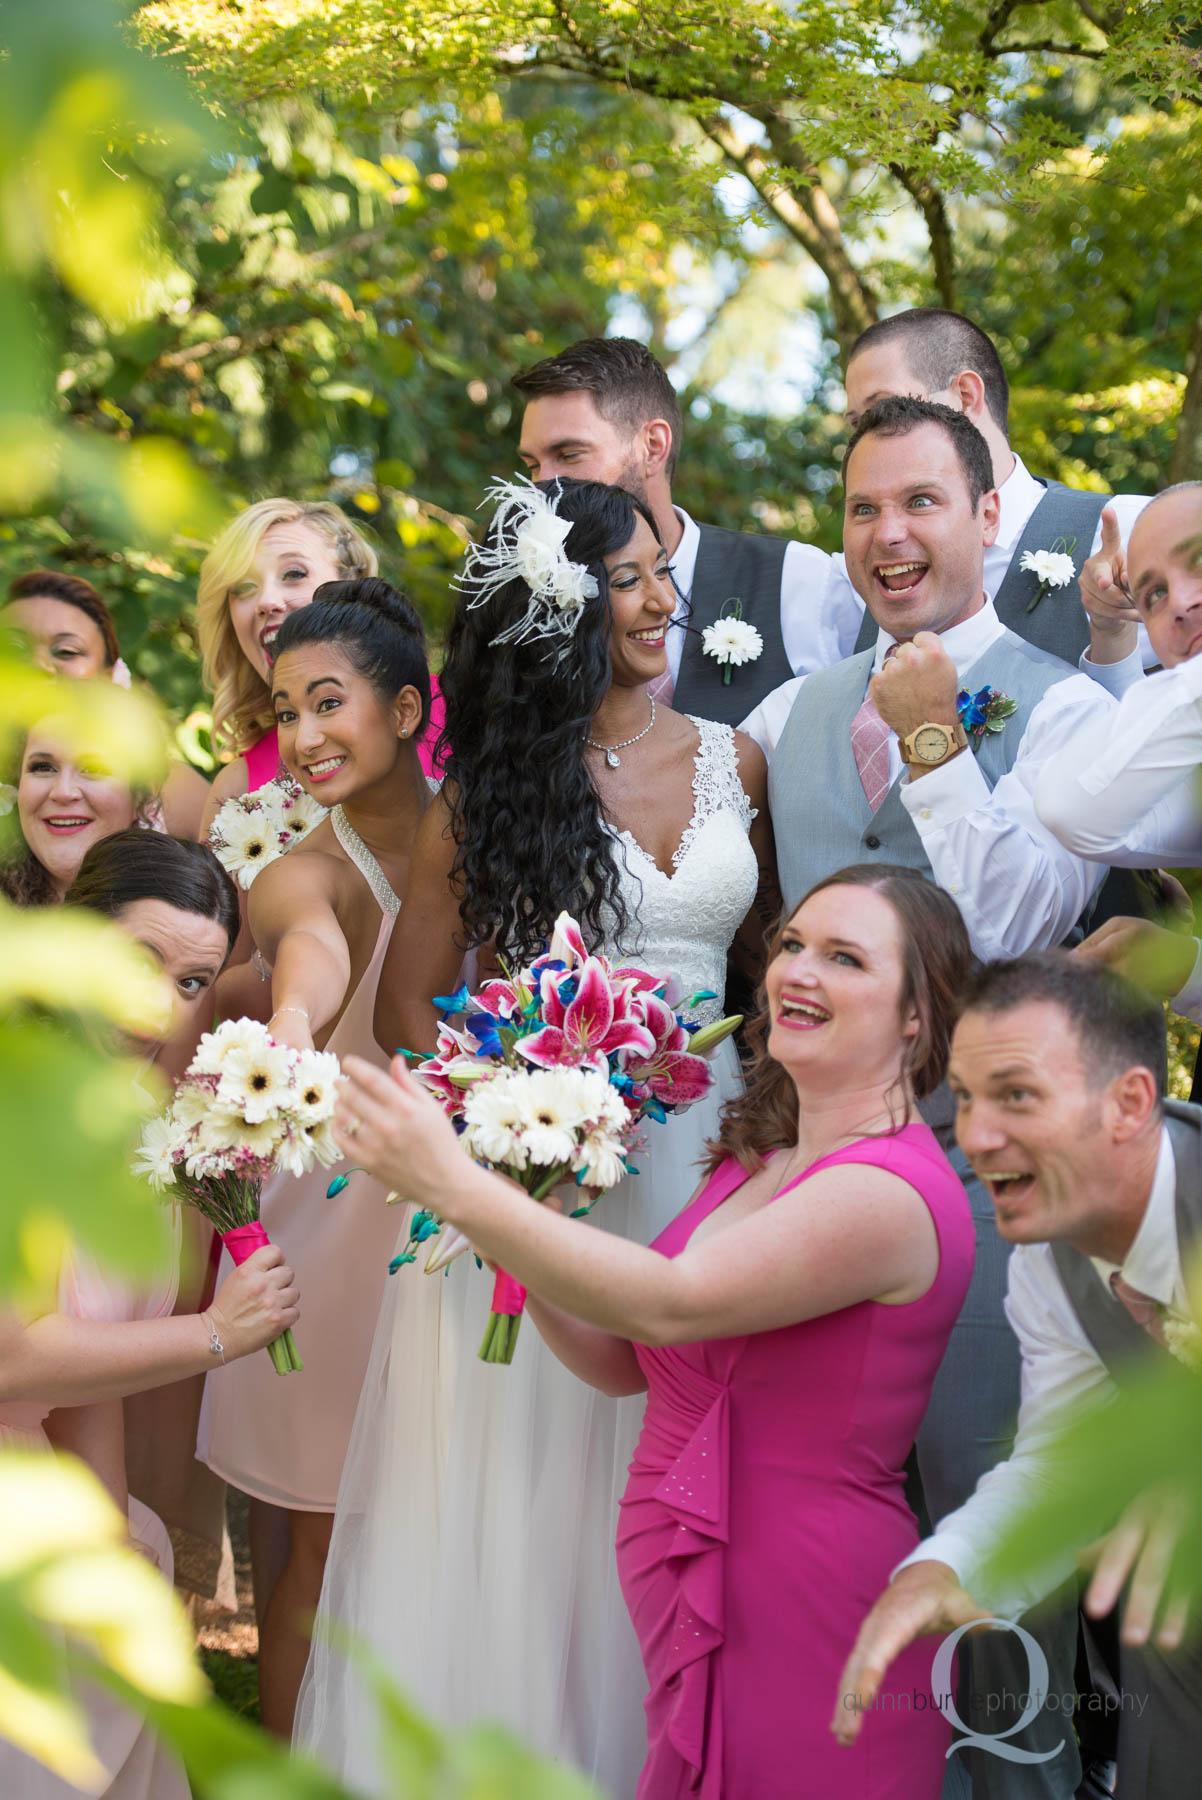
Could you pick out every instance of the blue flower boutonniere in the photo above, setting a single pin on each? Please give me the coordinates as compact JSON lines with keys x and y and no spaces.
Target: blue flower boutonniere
{"x":986,"y":711}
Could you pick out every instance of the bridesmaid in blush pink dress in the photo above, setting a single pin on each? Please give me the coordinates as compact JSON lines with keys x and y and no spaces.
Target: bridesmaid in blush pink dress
{"x":787,"y":1327}
{"x":351,"y":689}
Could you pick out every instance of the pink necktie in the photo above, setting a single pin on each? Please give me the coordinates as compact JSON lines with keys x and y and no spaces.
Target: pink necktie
{"x":870,"y":746}
{"x":1143,"y":1309}
{"x":662,"y":688}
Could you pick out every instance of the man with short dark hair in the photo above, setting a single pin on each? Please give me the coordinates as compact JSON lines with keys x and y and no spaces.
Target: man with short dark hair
{"x":604,"y":410}
{"x":1058,"y":1068}
{"x":940,"y":355}
{"x":872,"y":761}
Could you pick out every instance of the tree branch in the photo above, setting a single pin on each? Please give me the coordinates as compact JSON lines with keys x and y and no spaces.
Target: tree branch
{"x":1048,"y":46}
{"x":1186,"y":461}
{"x":807,"y":214}
{"x":930,"y":202}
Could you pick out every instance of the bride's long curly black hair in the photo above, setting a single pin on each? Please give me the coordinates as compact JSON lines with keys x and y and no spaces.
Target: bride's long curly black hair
{"x":528,"y":823}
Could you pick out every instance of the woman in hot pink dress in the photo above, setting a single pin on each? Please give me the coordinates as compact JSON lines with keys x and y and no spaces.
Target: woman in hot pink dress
{"x":787,"y":1327}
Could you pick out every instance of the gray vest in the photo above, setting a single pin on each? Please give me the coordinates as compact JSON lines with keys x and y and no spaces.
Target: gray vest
{"x":1120,"y":1343}
{"x":1058,"y":623}
{"x":730,"y":565}
{"x":820,"y":814}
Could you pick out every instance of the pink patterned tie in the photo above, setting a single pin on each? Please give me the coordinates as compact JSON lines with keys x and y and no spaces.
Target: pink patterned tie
{"x":1143,"y":1309}
{"x":870,"y":746}
{"x":662,"y":688}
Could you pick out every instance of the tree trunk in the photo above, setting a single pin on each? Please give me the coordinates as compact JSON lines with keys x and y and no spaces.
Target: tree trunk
{"x":1186,"y":461}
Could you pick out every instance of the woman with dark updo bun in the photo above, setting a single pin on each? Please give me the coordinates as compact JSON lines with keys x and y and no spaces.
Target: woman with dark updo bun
{"x":351,"y":692}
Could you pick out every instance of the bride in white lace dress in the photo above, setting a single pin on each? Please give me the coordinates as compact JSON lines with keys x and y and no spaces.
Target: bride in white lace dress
{"x":473,"y":1540}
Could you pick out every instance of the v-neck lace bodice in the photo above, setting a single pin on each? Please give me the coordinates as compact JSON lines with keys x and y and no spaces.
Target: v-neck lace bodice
{"x":685,"y":922}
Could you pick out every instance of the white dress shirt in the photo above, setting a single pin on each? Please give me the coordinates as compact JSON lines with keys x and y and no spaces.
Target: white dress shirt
{"x":1018,"y":497}
{"x":1060,"y":1369}
{"x":1017,"y":887}
{"x":819,"y":611}
{"x":1126,"y":791}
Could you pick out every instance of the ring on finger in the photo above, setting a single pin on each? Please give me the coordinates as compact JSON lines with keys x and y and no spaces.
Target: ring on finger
{"x":351,"y":1128}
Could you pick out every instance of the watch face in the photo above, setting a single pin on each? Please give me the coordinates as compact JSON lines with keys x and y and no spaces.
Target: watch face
{"x":932,"y":743}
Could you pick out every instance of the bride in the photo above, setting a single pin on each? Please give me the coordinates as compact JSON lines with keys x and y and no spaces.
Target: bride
{"x":473,"y":1542}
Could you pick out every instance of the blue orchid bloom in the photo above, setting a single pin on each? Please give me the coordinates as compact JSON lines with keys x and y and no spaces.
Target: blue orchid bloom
{"x":484,"y":1029}
{"x":453,"y":1003}
{"x":973,"y":708}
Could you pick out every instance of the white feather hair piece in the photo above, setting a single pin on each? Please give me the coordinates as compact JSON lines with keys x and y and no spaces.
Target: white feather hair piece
{"x":526,"y":541}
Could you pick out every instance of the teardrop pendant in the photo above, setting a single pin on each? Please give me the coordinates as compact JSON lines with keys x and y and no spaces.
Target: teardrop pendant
{"x":613,"y":759}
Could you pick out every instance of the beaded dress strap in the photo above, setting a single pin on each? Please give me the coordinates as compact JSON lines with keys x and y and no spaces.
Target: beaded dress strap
{"x":365,"y":862}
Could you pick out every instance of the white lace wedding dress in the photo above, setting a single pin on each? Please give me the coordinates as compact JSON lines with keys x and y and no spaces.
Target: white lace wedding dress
{"x":473,"y":1546}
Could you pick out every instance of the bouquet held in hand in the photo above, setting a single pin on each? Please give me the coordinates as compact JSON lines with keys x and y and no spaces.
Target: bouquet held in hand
{"x":252,"y":830}
{"x":245,"y":1107}
{"x":550,"y":1077}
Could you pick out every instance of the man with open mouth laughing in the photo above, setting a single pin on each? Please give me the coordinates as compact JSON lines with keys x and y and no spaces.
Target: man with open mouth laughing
{"x":872,"y":763}
{"x":1058,"y":1067}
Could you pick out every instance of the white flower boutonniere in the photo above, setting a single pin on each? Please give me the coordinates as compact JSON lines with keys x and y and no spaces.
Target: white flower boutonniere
{"x":731,"y":641}
{"x":1054,"y":567}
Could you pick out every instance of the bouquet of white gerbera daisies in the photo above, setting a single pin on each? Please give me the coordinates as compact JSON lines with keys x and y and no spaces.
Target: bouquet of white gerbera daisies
{"x":251,"y":830}
{"x":245,"y":1107}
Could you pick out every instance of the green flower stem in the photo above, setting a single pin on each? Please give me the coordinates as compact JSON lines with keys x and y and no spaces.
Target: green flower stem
{"x":285,"y":1357}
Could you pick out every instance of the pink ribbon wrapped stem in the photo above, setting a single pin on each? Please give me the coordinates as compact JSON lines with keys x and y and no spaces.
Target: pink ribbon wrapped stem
{"x":501,"y":1334}
{"x":242,"y":1242}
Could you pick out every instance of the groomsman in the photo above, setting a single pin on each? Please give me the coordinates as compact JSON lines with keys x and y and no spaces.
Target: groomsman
{"x":938,"y":355}
{"x":870,"y":761}
{"x":1058,"y":1068}
{"x":604,"y":410}
{"x":1126,"y":791}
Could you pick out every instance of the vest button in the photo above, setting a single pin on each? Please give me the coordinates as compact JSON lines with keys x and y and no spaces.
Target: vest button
{"x":873,"y":842}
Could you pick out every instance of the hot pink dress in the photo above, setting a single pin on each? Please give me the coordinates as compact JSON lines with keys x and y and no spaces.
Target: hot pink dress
{"x":764,"y":1514}
{"x":262,"y":760}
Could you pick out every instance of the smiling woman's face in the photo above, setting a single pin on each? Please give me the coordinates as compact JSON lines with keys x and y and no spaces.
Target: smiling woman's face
{"x":66,"y":802}
{"x":292,"y":560}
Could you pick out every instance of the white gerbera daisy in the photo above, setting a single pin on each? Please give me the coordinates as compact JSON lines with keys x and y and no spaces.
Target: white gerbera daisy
{"x":1052,"y":567}
{"x":159,"y":1150}
{"x":299,"y":813}
{"x":495,"y":1116}
{"x":557,"y":1104}
{"x":255,"y":1083}
{"x":245,"y":841}
{"x":315,"y":1078}
{"x":224,"y":1139}
{"x":732,"y":642}
{"x":601,"y":1160}
{"x":230,"y":1036}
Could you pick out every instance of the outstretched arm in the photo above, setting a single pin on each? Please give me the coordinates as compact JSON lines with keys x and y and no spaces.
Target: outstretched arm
{"x":294,"y":920}
{"x":848,"y":1234}
{"x":924,"y":1598}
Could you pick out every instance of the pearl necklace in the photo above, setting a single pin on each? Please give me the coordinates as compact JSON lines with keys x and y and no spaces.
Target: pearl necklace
{"x":365,"y":862}
{"x":611,"y":750}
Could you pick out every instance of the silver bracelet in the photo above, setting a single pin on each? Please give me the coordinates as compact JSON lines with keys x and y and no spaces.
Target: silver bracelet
{"x":216,"y":1347}
{"x":299,"y":1010}
{"x":259,"y":966}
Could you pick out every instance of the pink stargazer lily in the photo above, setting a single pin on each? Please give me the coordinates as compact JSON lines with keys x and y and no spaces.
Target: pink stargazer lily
{"x":597,"y":1021}
{"x":672,"y":1073}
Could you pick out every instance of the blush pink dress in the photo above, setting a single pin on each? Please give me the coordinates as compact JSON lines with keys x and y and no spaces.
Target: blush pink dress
{"x":284,"y":1439}
{"x":139,"y":1767}
{"x":764,"y":1514}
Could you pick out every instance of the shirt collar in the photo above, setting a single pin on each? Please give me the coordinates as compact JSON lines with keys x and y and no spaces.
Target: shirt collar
{"x":965,"y":643}
{"x":683,"y":562}
{"x":1018,"y":497}
{"x":1153,"y":1263}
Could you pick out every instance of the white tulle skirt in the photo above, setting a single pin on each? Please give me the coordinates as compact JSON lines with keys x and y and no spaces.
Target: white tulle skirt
{"x":473,"y":1546}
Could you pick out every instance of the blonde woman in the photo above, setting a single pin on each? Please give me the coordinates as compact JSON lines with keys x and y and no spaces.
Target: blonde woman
{"x":265,"y":565}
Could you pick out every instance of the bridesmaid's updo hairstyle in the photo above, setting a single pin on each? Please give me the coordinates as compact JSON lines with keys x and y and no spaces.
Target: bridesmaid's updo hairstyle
{"x":936,"y":968}
{"x":530,"y":837}
{"x":144,"y":865}
{"x":377,"y":629}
